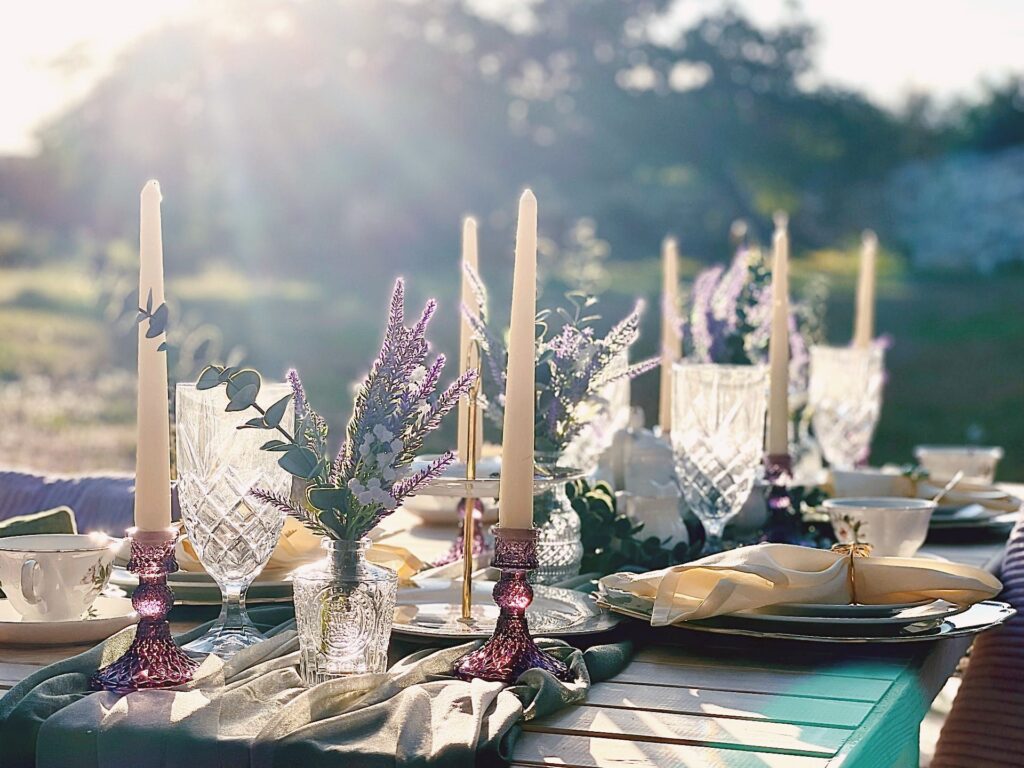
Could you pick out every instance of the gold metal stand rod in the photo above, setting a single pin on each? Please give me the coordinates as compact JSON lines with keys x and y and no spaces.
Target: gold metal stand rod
{"x":469,"y":506}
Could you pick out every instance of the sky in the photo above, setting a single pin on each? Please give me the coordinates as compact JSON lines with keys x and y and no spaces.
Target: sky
{"x":52,"y":51}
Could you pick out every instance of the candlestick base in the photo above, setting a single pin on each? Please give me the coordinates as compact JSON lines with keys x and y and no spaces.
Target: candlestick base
{"x":457,"y":548}
{"x":778,"y":471}
{"x":510,"y":651}
{"x":153,"y":660}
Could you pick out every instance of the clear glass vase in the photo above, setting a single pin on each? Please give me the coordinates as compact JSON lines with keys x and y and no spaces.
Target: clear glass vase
{"x":344,"y":608}
{"x":559,"y":547}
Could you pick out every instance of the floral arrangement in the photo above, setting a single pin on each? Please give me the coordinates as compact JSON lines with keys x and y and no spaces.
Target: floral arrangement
{"x":574,"y":364}
{"x":729,"y":319}
{"x":396,"y":407}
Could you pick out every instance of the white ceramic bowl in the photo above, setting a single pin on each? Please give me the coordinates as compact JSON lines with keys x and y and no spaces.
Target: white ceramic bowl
{"x":943,"y":461}
{"x":894,"y":527}
{"x":862,"y":483}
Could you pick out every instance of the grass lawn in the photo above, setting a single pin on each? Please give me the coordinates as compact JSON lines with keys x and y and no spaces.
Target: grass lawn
{"x":66,"y":358}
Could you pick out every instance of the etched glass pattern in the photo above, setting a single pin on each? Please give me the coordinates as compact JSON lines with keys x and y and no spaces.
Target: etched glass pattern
{"x":846,"y":399}
{"x":510,"y":651}
{"x":232,"y":532}
{"x":344,"y":608}
{"x":718,"y":417}
{"x":559,"y":546}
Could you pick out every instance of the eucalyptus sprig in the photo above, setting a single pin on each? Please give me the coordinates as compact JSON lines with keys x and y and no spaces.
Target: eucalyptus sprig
{"x":611,"y":540}
{"x":396,"y":407}
{"x":157,"y":318}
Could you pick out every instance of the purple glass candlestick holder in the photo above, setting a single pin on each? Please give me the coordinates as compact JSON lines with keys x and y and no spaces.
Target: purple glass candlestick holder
{"x":510,"y":651}
{"x":479,"y":538}
{"x":153,"y":660}
{"x":778,"y":472}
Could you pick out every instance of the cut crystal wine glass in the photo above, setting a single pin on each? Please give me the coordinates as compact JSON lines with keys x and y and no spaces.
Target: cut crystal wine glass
{"x":232,"y":532}
{"x":845,"y":396}
{"x":718,"y":417}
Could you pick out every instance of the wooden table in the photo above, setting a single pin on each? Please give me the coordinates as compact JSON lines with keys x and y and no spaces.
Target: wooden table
{"x":693,"y":699}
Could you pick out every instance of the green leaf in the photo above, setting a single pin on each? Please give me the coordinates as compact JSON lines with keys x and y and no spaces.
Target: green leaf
{"x":157,"y":322}
{"x":242,"y":379}
{"x":162,"y":347}
{"x":149,"y":302}
{"x":276,"y":412}
{"x":276,"y":445}
{"x":243,"y":398}
{"x":256,"y":423}
{"x":209,"y":378}
{"x":299,"y":461}
{"x":227,"y":373}
{"x":328,"y":497}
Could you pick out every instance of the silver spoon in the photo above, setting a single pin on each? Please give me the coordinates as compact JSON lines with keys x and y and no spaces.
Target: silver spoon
{"x":949,"y":486}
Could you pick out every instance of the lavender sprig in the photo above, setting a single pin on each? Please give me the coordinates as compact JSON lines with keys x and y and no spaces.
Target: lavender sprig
{"x":574,"y":365}
{"x":396,"y":407}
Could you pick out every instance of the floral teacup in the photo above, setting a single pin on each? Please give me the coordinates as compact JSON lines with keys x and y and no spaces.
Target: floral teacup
{"x":894,"y":527}
{"x":55,"y":576}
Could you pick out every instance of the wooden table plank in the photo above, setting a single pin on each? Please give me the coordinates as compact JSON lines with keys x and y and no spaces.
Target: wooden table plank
{"x":755,"y":706}
{"x":11,"y":674}
{"x":870,"y":667}
{"x":804,"y":684}
{"x":673,"y":728}
{"x":546,"y":749}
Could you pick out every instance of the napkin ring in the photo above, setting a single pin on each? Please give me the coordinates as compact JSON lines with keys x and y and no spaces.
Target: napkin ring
{"x":853,"y":551}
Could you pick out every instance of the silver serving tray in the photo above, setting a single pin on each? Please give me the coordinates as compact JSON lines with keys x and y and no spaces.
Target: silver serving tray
{"x":433,"y":608}
{"x":452,"y":481}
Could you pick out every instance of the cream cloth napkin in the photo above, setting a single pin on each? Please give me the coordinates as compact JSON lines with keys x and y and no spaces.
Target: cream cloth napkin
{"x":298,"y":546}
{"x":768,"y":574}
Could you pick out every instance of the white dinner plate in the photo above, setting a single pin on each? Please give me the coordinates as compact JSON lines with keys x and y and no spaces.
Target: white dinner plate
{"x":200,"y":588}
{"x":106,"y":616}
{"x":433,"y":608}
{"x":820,"y":618}
{"x":980,"y":617}
{"x":829,"y":610}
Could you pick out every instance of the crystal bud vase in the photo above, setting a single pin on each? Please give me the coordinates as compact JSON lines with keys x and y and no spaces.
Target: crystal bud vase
{"x":344,"y":608}
{"x":559,"y":547}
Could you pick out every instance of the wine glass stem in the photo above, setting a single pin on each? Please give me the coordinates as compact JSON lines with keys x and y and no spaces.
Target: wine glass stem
{"x":713,"y":536}
{"x":233,"y":617}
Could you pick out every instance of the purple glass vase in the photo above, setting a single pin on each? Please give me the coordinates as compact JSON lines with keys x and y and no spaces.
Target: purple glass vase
{"x":153,"y":660}
{"x":510,"y":651}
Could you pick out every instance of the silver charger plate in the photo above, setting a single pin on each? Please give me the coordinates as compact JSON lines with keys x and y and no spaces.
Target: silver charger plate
{"x":433,"y":608}
{"x":980,"y":617}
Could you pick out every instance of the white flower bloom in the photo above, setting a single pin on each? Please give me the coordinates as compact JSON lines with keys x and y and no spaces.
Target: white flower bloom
{"x":355,"y":486}
{"x":382,"y":433}
{"x":417,"y":376}
{"x":389,"y":474}
{"x":397,"y":445}
{"x":373,"y":484}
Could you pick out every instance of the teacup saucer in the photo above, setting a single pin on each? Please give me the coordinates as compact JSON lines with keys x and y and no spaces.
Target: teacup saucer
{"x":106,"y":616}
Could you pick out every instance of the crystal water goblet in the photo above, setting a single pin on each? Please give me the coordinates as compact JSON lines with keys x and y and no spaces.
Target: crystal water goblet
{"x":718,"y":418}
{"x":232,"y":532}
{"x":845,"y":397}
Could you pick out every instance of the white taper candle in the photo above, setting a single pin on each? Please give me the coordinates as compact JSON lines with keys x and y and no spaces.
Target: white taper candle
{"x":515,"y":508}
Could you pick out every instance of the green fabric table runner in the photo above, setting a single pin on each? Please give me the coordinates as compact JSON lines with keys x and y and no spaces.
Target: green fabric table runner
{"x":254,"y":710}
